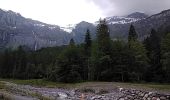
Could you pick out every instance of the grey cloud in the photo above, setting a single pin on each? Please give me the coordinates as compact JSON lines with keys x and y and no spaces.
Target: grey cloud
{"x":124,"y":7}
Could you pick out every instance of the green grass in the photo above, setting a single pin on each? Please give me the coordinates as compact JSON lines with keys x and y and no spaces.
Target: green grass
{"x":41,"y":83}
{"x":146,"y":86}
{"x":94,"y":85}
{"x":2,"y":85}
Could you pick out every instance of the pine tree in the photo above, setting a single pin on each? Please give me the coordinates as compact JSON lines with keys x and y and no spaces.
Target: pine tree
{"x":87,"y":46}
{"x":165,"y":52}
{"x":139,"y":63}
{"x":72,"y":43}
{"x":69,"y":65}
{"x":102,"y":60}
{"x":103,"y":37}
{"x":138,"y":58}
{"x":152,"y":45}
{"x":132,"y":34}
{"x":87,"y":50}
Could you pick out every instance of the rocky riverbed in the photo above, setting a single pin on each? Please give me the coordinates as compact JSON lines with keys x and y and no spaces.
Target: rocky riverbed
{"x":85,"y":93}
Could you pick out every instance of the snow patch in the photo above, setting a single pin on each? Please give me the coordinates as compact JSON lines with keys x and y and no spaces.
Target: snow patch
{"x":69,"y":28}
{"x":40,"y":25}
{"x":52,"y":27}
{"x":121,"y":20}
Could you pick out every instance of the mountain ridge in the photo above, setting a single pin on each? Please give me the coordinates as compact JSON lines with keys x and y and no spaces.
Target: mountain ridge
{"x":17,"y":30}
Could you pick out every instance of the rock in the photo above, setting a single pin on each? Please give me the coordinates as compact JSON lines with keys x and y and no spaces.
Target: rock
{"x":121,"y":99}
{"x":146,"y":95}
{"x":1,"y":96}
{"x":150,"y":93}
{"x":163,"y":98}
{"x":96,"y":97}
{"x":157,"y":99}
{"x":62,"y":95}
{"x":120,"y":89}
{"x":154,"y":98}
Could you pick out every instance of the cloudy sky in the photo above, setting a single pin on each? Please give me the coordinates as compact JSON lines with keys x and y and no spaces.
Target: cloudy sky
{"x":63,"y":12}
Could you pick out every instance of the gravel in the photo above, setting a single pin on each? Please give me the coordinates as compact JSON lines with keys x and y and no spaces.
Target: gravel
{"x":86,"y":94}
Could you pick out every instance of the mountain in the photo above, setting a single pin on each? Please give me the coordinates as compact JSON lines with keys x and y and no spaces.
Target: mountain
{"x":118,"y":26}
{"x":16,"y":30}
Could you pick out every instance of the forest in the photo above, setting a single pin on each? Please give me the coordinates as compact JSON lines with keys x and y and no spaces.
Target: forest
{"x":100,"y":59}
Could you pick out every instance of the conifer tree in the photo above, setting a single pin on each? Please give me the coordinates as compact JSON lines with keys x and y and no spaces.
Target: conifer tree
{"x":102,"y":57}
{"x":165,"y":52}
{"x":87,"y":41}
{"x":137,"y":59}
{"x":87,"y":50}
{"x":103,"y":37}
{"x":72,"y":43}
{"x":152,"y":45}
{"x":132,"y":34}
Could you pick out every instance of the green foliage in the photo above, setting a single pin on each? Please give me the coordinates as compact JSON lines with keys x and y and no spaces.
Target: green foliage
{"x":98,"y":60}
{"x":103,"y":38}
{"x":68,"y":67}
{"x":88,"y":43}
{"x":138,"y":62}
{"x":152,"y":44}
{"x":101,"y":60}
{"x":132,"y":34}
{"x":165,"y":51}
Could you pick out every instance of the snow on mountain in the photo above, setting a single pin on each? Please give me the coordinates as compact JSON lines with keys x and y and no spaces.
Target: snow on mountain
{"x":121,"y":20}
{"x":69,"y":28}
{"x":134,"y":17}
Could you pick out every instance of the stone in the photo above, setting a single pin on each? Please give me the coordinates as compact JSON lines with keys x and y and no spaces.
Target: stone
{"x":1,"y":96}
{"x":163,"y":98}
{"x":154,"y":98}
{"x":157,"y":99}
{"x":150,"y":93}
{"x":62,"y":95}
{"x":121,"y":99}
{"x":146,"y":95}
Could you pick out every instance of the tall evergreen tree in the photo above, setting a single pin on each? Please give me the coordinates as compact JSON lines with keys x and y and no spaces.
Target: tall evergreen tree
{"x":103,"y":51}
{"x":88,"y":42}
{"x":165,"y":52}
{"x":103,"y":37}
{"x":87,"y":50}
{"x":137,"y":59}
{"x":72,"y":43}
{"x":132,"y":34}
{"x":69,"y":65}
{"x":152,"y":45}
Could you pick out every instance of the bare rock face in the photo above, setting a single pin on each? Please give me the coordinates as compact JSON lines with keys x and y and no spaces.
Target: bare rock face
{"x":16,"y":30}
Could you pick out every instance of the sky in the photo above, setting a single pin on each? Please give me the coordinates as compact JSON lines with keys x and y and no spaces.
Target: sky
{"x":64,"y":12}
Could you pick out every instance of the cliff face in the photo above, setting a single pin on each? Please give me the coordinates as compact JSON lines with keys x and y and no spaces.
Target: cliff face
{"x":16,"y":30}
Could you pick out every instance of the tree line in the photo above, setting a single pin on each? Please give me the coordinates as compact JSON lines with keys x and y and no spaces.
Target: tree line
{"x":101,"y":59}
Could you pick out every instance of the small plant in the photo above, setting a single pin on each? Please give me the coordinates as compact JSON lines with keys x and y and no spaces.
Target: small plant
{"x":102,"y":91}
{"x":2,"y":85}
{"x":87,"y":90}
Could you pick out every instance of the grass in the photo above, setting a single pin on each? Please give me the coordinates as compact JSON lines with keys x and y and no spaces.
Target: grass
{"x":90,"y":85}
{"x":2,"y":85}
{"x":41,"y":83}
